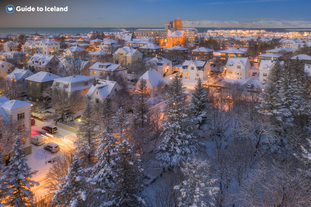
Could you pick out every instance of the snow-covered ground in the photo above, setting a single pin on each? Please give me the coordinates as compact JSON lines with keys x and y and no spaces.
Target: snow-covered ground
{"x":39,"y":159}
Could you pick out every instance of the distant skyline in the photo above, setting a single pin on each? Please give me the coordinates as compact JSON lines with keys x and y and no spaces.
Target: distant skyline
{"x":154,"y":13}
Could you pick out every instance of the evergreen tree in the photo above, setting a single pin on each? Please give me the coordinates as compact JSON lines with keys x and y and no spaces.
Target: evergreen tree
{"x":15,"y":183}
{"x":127,"y":178}
{"x":102,"y":172}
{"x":74,"y":190}
{"x":120,"y":121}
{"x":198,"y":189}
{"x":87,"y":133}
{"x":199,"y":103}
{"x":178,"y":141}
{"x":107,"y":115}
{"x":138,"y":125}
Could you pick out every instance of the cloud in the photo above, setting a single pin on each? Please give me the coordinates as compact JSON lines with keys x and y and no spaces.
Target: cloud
{"x":245,"y":2}
{"x":255,"y":24}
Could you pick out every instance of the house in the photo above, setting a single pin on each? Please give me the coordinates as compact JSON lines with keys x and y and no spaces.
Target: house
{"x":99,"y":56}
{"x":104,"y":88}
{"x":16,"y":57}
{"x":109,"y":45}
{"x":269,"y":56}
{"x":265,"y":68}
{"x":37,"y":83}
{"x":5,"y":68}
{"x":30,"y":47}
{"x":95,"y":43}
{"x":47,"y":47}
{"x":162,"y":65}
{"x":73,"y":83}
{"x":225,"y":54}
{"x":19,"y":75}
{"x":154,"y":82}
{"x":101,"y":70}
{"x":75,"y":52}
{"x":42,"y":62}
{"x":281,"y":50}
{"x":11,"y":46}
{"x":202,"y":53}
{"x":18,"y":112}
{"x":70,"y":66}
{"x":151,"y":49}
{"x":303,"y":58}
{"x":238,"y":68}
{"x":127,"y":56}
{"x":195,"y":69}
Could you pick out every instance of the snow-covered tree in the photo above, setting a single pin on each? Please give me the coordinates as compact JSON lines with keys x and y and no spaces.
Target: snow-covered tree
{"x":178,"y":139}
{"x":16,"y":181}
{"x":106,"y":115}
{"x":103,"y":171}
{"x":75,"y":187}
{"x":198,"y":189}
{"x":199,"y":103}
{"x":127,"y":179}
{"x":138,"y":125}
{"x":120,"y":121}
{"x":87,"y":134}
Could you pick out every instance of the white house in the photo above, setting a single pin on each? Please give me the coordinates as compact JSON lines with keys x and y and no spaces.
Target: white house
{"x":154,"y":82}
{"x":265,"y":68}
{"x":47,"y":47}
{"x":104,"y":88}
{"x":75,"y":52}
{"x":5,"y":68}
{"x":19,"y":75}
{"x":42,"y":62}
{"x":100,"y":70}
{"x":162,"y":65}
{"x":127,"y":55}
{"x":109,"y":45}
{"x":73,"y":83}
{"x":195,"y":69}
{"x":238,"y":68}
{"x":17,"y":111}
{"x":10,"y":46}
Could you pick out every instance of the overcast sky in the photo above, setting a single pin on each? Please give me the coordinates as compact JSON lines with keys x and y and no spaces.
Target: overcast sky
{"x":153,"y":13}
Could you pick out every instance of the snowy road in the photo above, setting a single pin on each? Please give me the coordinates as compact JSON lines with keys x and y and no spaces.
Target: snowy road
{"x":39,"y":159}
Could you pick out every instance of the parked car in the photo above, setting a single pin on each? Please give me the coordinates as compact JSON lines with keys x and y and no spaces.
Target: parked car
{"x":250,"y":86}
{"x":33,"y":122}
{"x":51,"y":147}
{"x":51,"y":129}
{"x":37,"y":140}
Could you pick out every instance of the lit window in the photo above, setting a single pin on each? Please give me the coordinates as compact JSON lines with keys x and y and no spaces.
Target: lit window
{"x":197,"y":74}
{"x":94,"y":72}
{"x":156,"y":88}
{"x":21,"y":116}
{"x":265,"y":74}
{"x":187,"y":73}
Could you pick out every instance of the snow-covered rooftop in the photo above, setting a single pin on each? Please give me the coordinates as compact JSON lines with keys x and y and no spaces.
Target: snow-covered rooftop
{"x":42,"y":77}
{"x":14,"y":104}
{"x":302,"y":57}
{"x":198,"y":63}
{"x":106,"y":66}
{"x":233,"y":51}
{"x":18,"y":74}
{"x":104,"y":88}
{"x":76,"y":78}
{"x":76,"y":49}
{"x":158,"y":59}
{"x":99,"y":52}
{"x":151,"y":46}
{"x":45,"y":59}
{"x":233,"y":60}
{"x":176,"y":48}
{"x":270,"y":55}
{"x":202,"y":49}
{"x":153,"y":76}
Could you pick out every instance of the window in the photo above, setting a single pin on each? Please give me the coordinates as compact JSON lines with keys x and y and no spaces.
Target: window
{"x":125,"y":72}
{"x":21,"y":116}
{"x":21,"y":128}
{"x":187,"y":73}
{"x":97,"y":100}
{"x":23,"y":140}
{"x":156,"y":88}
{"x":192,"y":68}
{"x":66,"y":86}
{"x":229,"y":72}
{"x":238,"y":67}
{"x":38,"y":85}
{"x":197,"y":74}
{"x":162,"y":86}
{"x":128,"y":59}
{"x":100,"y":73}
{"x":264,"y":79}
{"x":265,"y":74}
{"x":93,"y":72}
{"x":187,"y":78}
{"x":30,"y":83}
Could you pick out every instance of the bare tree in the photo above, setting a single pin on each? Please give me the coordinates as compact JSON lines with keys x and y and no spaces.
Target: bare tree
{"x":75,"y":103}
{"x":276,"y":183}
{"x":12,"y":89}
